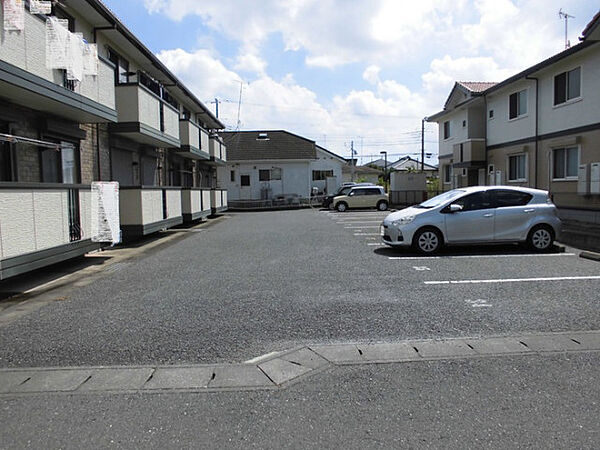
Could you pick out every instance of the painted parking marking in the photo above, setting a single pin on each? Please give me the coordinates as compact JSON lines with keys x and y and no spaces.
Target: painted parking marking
{"x":514,"y":280}
{"x":366,"y":234}
{"x":532,"y":255}
{"x":421,"y":268}
{"x":374,"y":243}
{"x":361,"y":227}
{"x":479,"y":303}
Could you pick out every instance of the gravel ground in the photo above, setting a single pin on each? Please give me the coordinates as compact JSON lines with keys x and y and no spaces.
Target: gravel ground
{"x":259,"y":282}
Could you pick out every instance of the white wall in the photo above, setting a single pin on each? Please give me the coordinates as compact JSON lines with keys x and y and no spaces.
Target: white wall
{"x":295,"y":179}
{"x":326,"y":162}
{"x":502,"y":129}
{"x":458,"y":134}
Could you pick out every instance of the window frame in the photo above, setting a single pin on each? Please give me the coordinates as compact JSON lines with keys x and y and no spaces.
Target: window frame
{"x":448,"y":171}
{"x":566,"y":177}
{"x":519,"y":114}
{"x":525,"y":170}
{"x":243,"y":178}
{"x":262,"y":172}
{"x":567,"y":100}
{"x":447,"y":130}
{"x":322,"y":174}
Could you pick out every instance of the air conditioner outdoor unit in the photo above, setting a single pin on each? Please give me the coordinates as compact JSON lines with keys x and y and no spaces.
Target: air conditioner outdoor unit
{"x":595,"y":178}
{"x":583,"y":179}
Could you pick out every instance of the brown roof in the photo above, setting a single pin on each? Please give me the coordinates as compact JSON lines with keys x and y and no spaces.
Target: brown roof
{"x":477,"y":86}
{"x":593,"y":23}
{"x":267,"y":145}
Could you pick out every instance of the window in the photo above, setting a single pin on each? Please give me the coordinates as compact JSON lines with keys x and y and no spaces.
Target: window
{"x":232,"y":176}
{"x":121,"y":67}
{"x":517,"y":167}
{"x":462,"y":152}
{"x":5,"y":156}
{"x":373,"y":191}
{"x":491,"y":114}
{"x":476,"y":201}
{"x":464,"y":123}
{"x":506,"y":198}
{"x":50,"y":161}
{"x":264,"y":175}
{"x":567,"y":86}
{"x":517,"y":104}
{"x":321,"y":175}
{"x":447,"y":173}
{"x":60,"y":166}
{"x":276,"y":174}
{"x":245,"y":180}
{"x":565,"y":163}
{"x":446,"y":130}
{"x":69,"y":163}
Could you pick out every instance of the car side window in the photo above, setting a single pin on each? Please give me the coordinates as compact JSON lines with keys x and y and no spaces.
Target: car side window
{"x":359,"y":191}
{"x":506,"y":198}
{"x":475,"y":201}
{"x":372,"y":191}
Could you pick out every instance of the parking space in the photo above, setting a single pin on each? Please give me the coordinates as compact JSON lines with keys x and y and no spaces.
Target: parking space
{"x":474,"y":267}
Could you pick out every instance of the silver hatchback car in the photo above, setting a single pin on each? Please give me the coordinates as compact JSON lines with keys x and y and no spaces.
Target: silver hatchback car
{"x":478,"y":214}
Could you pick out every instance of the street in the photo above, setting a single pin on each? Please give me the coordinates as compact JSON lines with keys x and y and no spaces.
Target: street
{"x":258,"y":283}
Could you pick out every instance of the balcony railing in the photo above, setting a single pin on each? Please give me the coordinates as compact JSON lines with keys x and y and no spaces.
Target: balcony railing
{"x":218,"y":151}
{"x":42,"y":224}
{"x":195,"y":203}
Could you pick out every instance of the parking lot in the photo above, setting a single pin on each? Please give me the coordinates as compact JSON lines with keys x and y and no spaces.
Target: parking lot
{"x":270,"y":281}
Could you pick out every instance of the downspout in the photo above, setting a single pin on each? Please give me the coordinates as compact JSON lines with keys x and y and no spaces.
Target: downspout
{"x":486,"y":176}
{"x":98,"y":151}
{"x":535,"y":174}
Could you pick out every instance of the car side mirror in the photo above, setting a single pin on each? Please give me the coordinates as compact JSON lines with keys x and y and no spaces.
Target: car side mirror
{"x":455,"y":208}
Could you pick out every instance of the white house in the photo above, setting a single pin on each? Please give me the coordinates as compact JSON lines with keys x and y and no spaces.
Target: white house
{"x":264,"y":165}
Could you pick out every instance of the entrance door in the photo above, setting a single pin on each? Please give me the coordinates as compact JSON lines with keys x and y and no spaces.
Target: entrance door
{"x":245,"y":188}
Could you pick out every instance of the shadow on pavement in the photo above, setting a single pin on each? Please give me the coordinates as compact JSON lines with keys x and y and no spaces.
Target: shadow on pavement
{"x":479,"y":250}
{"x":22,"y":283}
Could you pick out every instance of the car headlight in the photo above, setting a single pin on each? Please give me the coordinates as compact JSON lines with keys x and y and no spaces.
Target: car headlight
{"x":403,"y":221}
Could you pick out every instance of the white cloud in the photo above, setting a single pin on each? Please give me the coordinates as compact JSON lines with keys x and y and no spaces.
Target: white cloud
{"x":371,"y":74}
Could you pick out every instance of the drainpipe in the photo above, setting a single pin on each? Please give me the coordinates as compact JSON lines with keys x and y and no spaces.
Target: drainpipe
{"x":486,"y":175}
{"x":98,"y":151}
{"x":535,"y":174}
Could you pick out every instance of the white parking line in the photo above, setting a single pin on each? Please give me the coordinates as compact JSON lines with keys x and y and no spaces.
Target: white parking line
{"x":411,"y":258}
{"x":513,"y":280}
{"x":375,"y":243}
{"x":366,"y":234}
{"x":362,"y":226}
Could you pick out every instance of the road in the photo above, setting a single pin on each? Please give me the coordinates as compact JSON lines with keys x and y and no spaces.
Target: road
{"x":263,"y":282}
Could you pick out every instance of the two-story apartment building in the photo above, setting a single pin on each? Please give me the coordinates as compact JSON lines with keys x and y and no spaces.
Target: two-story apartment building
{"x":539,"y":128}
{"x":84,"y":100}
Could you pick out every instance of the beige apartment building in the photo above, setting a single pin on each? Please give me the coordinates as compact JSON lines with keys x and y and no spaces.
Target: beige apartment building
{"x":539,"y":128}
{"x":84,"y":100}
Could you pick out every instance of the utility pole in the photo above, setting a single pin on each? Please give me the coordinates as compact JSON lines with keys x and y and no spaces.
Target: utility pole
{"x":423,"y":143}
{"x":216,"y":102}
{"x":352,"y":161}
{"x":564,"y":15}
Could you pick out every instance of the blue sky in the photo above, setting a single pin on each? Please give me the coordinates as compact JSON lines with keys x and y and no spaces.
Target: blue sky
{"x":346,"y":70}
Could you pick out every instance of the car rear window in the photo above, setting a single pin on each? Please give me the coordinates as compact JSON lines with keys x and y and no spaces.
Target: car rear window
{"x":506,"y":198}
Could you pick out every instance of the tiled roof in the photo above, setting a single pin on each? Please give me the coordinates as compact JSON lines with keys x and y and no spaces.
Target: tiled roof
{"x":595,"y":21}
{"x":267,"y":145}
{"x":477,"y":86}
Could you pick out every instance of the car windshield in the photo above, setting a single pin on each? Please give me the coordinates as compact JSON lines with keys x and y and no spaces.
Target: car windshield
{"x":441,"y":199}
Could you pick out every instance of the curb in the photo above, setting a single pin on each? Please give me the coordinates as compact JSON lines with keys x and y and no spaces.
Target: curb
{"x":590,"y":255}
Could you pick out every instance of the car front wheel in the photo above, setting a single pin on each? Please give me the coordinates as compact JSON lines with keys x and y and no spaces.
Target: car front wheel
{"x":540,"y":238}
{"x":428,"y":241}
{"x":341,"y":207}
{"x":382,"y":206}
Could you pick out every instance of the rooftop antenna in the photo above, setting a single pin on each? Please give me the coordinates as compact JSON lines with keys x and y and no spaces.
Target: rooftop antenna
{"x":564,"y":15}
{"x":239,"y":105}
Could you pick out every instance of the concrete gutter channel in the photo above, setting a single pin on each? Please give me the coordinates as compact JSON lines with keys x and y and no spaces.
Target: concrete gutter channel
{"x":283,"y":369}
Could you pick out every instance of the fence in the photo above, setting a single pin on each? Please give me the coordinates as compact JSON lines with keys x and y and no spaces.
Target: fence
{"x":409,"y":198}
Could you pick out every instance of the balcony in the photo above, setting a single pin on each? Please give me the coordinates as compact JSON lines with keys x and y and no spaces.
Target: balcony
{"x":43,"y":224}
{"x":218,"y":200}
{"x":25,"y":80}
{"x":194,"y":141}
{"x":144,"y":117}
{"x":469,"y":154}
{"x":217,"y":150}
{"x":146,"y":209}
{"x":195,"y":203}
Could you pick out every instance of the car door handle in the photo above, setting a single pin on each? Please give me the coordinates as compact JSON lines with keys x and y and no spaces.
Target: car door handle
{"x":488,"y":215}
{"x":529,"y":210}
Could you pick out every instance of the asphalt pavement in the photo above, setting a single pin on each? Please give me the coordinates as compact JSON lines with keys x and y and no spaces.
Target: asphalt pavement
{"x":265,"y":282}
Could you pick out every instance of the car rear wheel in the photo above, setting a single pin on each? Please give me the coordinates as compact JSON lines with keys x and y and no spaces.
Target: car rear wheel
{"x":341,"y":207}
{"x":382,"y":206}
{"x":428,"y":241}
{"x":540,"y":238}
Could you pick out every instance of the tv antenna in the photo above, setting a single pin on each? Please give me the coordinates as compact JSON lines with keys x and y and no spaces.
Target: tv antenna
{"x":564,"y":15}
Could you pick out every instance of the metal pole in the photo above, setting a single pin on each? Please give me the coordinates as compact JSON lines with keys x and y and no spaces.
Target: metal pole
{"x":352,"y":161}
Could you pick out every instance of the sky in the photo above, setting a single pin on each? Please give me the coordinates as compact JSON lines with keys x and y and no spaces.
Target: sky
{"x":347,"y":72}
